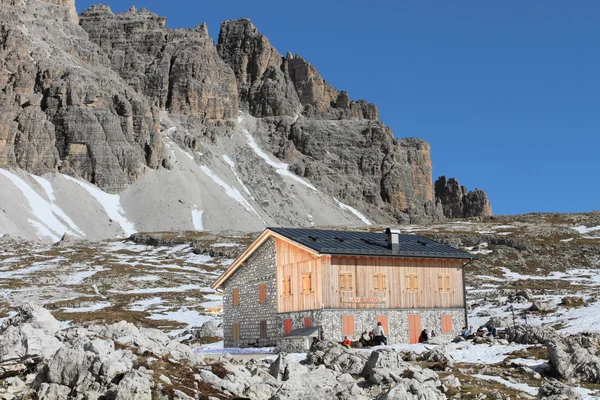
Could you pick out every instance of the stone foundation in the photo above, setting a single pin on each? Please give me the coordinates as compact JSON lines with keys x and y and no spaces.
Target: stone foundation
{"x":330,"y":322}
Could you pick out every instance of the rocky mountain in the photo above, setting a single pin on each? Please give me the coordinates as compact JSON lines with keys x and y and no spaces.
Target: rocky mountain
{"x":178,"y":126}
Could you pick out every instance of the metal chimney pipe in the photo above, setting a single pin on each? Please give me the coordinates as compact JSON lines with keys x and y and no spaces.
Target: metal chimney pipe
{"x":393,"y":236}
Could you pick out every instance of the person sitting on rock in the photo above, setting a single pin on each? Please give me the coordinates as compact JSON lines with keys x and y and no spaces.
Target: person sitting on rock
{"x":464,"y":332}
{"x":347,"y":342}
{"x":492,"y":330}
{"x":424,"y":336}
{"x":432,"y":334}
{"x":365,"y":339}
{"x":378,"y":335}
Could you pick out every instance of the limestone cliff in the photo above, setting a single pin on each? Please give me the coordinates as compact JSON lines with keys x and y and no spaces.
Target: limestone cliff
{"x":94,"y":100}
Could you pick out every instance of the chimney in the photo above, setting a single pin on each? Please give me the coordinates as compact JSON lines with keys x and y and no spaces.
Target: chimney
{"x":393,"y":236}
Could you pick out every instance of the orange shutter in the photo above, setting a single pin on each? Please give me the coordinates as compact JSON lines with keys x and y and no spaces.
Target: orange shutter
{"x":262,"y":293}
{"x":307,"y":322}
{"x":446,"y":324}
{"x":306,"y":283}
{"x":287,"y":326}
{"x":384,"y":322}
{"x":236,"y":296}
{"x":235,"y":331}
{"x":348,"y":325}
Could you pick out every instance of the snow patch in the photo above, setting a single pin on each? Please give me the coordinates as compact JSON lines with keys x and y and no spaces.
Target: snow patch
{"x":354,"y":211}
{"x":519,"y":386}
{"x":111,"y":204}
{"x":231,"y":164}
{"x":95,"y":307}
{"x":197,"y":219}
{"x":584,"y":229}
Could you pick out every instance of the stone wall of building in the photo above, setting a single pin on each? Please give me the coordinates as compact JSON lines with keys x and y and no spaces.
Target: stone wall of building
{"x":260,"y":268}
{"x":330,"y":321}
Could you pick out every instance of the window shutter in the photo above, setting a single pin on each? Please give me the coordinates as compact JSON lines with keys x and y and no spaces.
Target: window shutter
{"x":287,"y":287}
{"x":306,"y":283}
{"x":235,"y":331}
{"x":376,"y":277}
{"x":348,"y":325}
{"x":262,"y":293}
{"x":287,"y":326}
{"x":409,"y":282}
{"x":342,"y":281}
{"x":263,"y":329}
{"x":350,"y":281}
{"x":446,"y":324}
{"x":441,"y":282}
{"x":307,"y":322}
{"x":447,"y":283}
{"x":416,"y":282}
{"x":384,"y":282}
{"x":236,"y":296}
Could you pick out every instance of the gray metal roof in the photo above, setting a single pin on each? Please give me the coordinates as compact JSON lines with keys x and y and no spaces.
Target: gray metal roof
{"x":369,"y":244}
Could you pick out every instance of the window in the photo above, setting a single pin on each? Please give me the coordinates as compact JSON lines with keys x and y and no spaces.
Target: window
{"x":306,"y":283}
{"x":236,"y":296}
{"x":262,"y":293}
{"x":287,"y":326}
{"x":235,"y":331}
{"x":444,"y":283}
{"x":287,"y":286}
{"x":412,"y":283}
{"x":446,"y":323}
{"x":348,"y":325}
{"x":346,"y":281}
{"x":307,"y":322}
{"x":263,"y":329}
{"x":384,"y":322}
{"x":380,"y":282}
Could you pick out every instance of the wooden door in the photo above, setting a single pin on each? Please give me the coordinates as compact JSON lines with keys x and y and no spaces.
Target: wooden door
{"x":384,"y":322}
{"x":414,"y":328}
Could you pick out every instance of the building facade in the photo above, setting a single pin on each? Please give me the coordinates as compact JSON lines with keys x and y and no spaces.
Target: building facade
{"x":343,"y":283}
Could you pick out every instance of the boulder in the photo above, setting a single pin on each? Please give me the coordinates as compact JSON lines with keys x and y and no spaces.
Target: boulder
{"x":543,"y":306}
{"x":337,"y":357}
{"x":53,"y":391}
{"x":134,"y":386}
{"x":576,"y":358}
{"x":556,"y":390}
{"x":211,"y":328}
{"x":530,"y":334}
{"x":34,"y":315}
{"x":438,"y":355}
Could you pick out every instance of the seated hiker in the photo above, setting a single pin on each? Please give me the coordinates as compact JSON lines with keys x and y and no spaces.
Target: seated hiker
{"x":492,"y":330}
{"x":432,"y":334}
{"x":365,"y":339}
{"x":464,"y":332}
{"x":378,"y":336}
{"x":424,"y":336}
{"x":347,"y":342}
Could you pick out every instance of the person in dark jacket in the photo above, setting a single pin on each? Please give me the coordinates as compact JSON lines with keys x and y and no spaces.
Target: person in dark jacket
{"x":424,"y":336}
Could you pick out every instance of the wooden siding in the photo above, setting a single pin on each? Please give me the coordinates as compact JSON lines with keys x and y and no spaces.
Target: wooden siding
{"x":368,"y":273}
{"x":295,"y":262}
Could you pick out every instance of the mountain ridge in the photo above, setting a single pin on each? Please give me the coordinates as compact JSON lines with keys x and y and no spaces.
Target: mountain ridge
{"x":91,"y":101}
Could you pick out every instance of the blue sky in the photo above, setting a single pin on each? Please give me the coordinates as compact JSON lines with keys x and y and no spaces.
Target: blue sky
{"x":507,"y":93}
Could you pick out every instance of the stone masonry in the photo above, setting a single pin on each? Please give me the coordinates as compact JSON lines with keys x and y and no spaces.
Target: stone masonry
{"x":330,"y":322}
{"x":260,"y":268}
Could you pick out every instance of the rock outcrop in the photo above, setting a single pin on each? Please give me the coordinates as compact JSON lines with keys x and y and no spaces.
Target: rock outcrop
{"x":458,"y":202}
{"x":63,"y":108}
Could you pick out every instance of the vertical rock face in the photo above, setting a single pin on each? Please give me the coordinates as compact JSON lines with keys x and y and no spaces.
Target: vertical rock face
{"x":458,"y":202}
{"x":272,"y":85}
{"x":337,"y":143}
{"x":62,"y":106}
{"x":178,"y":70}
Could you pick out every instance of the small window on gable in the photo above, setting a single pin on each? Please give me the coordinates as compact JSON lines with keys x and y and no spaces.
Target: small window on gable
{"x":412,"y":283}
{"x":235,"y":331}
{"x":236,"y":296}
{"x":306,"y":283}
{"x":346,"y":281}
{"x":262,"y":293}
{"x":287,"y":286}
{"x":380,"y":282}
